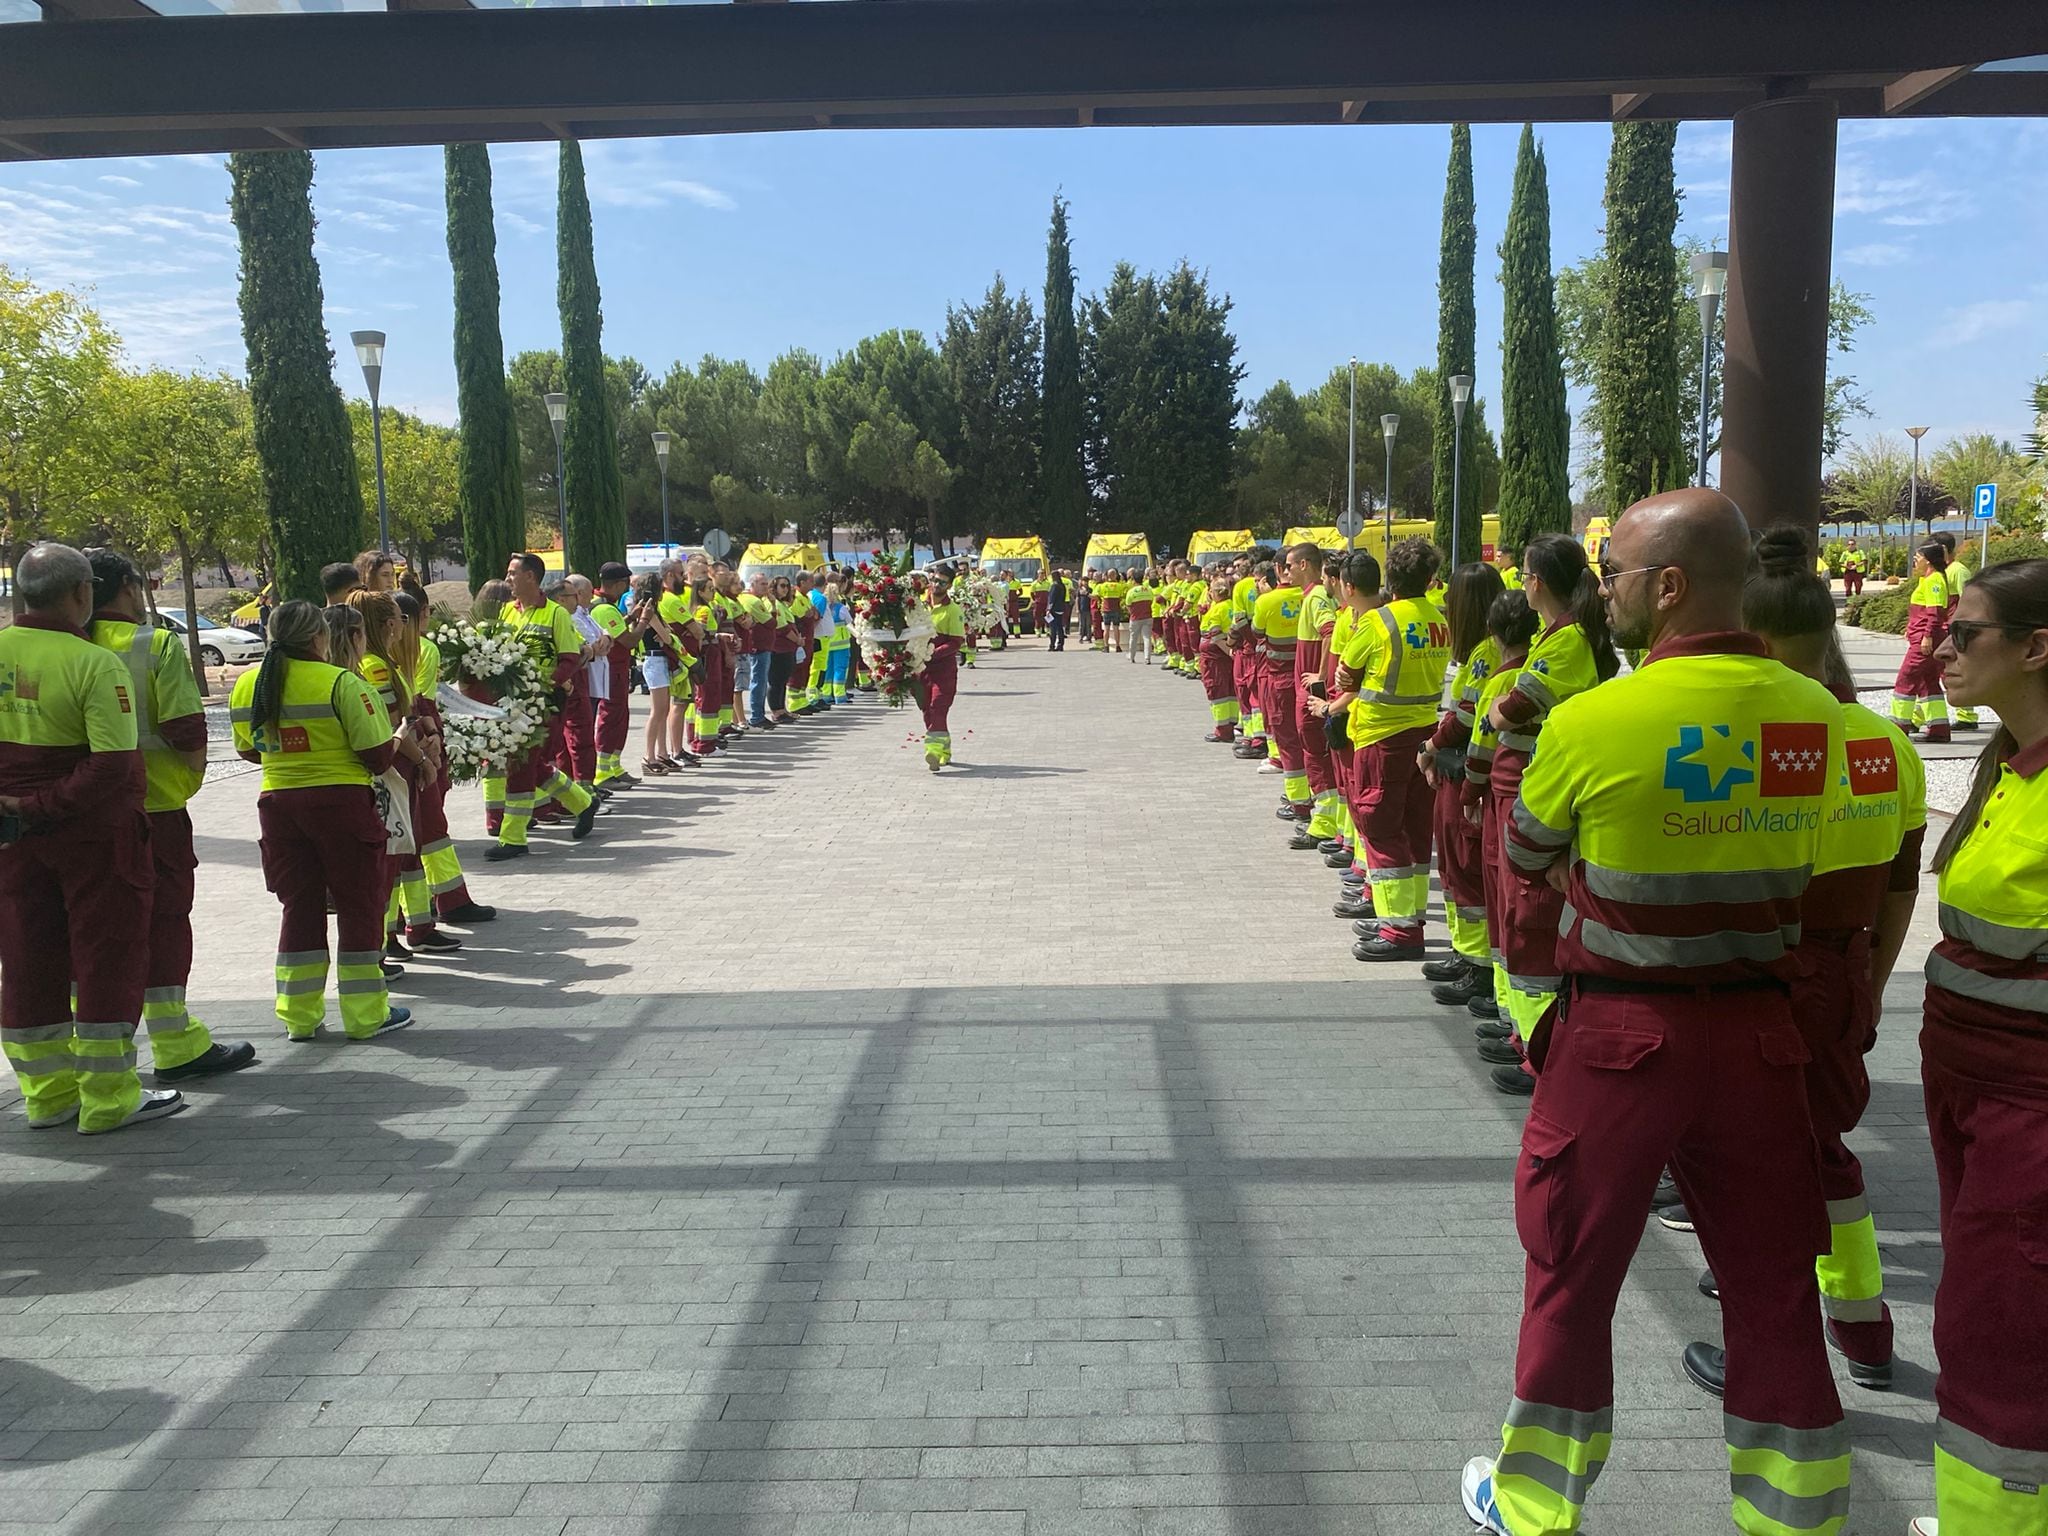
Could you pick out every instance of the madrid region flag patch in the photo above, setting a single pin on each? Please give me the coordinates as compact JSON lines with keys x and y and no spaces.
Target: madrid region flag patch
{"x":1794,"y":761}
{"x":1873,"y":768}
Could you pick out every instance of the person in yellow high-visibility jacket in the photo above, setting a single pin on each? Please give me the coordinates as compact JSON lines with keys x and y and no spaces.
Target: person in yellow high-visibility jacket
{"x":171,"y":722}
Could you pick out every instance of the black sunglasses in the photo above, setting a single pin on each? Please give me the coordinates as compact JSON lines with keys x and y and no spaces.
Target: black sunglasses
{"x":1963,"y":631}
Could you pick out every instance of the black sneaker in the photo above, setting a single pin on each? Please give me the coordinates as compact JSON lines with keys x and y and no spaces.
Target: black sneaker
{"x":1303,"y":841}
{"x":1385,"y":949}
{"x":1456,"y":994}
{"x":1491,"y":1029}
{"x":1352,"y":906}
{"x":585,"y":819}
{"x":394,"y":1021}
{"x":1707,"y":1366}
{"x":1450,"y":968}
{"x":1338,"y":858}
{"x":391,"y":972}
{"x":213,"y":1062}
{"x":1667,"y":1193}
{"x":1676,"y":1217}
{"x":1501,"y":1052}
{"x":156,"y":1104}
{"x":433,"y":942}
{"x":1514,"y":1082}
{"x":469,"y":914}
{"x":394,"y":950}
{"x":1334,"y":845}
{"x":500,"y":852}
{"x":1709,"y":1286}
{"x":1484,"y":1008}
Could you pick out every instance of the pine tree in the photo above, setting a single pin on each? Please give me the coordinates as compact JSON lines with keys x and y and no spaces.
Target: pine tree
{"x":493,"y":500}
{"x":303,"y":442}
{"x":590,"y":441}
{"x":1642,"y":443}
{"x":1062,"y":483}
{"x":1456,"y":327}
{"x":991,"y":355}
{"x":1535,"y":473}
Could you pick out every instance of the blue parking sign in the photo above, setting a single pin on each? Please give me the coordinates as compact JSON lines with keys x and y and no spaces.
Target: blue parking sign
{"x":1986,"y":505}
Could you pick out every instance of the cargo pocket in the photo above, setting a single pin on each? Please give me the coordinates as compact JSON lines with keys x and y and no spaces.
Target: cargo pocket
{"x":1613,"y":1050}
{"x":1543,"y":1189}
{"x":2030,"y":1235}
{"x":1784,"y":1046}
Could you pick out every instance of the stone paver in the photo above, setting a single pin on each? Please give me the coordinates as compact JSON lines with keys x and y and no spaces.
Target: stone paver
{"x":829,"y":1148}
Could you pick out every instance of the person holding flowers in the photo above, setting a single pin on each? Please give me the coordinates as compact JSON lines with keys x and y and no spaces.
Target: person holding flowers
{"x":532,"y":777}
{"x":940,"y":679}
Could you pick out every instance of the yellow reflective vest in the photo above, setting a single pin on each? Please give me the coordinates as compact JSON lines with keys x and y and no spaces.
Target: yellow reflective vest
{"x":328,"y":715}
{"x":163,"y":690}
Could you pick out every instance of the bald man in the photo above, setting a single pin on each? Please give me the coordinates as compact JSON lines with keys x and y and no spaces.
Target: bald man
{"x":1679,"y":808}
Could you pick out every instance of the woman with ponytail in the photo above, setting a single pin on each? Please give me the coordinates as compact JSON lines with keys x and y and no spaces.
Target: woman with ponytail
{"x":321,"y":738}
{"x":1984,"y":1065}
{"x":387,"y":661}
{"x":1918,"y":706}
{"x":1853,"y":921}
{"x":1511,"y":624}
{"x":1571,"y":653}
{"x":431,"y":886}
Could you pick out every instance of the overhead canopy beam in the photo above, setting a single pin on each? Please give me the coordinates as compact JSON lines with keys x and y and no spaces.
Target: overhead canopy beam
{"x":410,"y":76}
{"x":1908,"y":91}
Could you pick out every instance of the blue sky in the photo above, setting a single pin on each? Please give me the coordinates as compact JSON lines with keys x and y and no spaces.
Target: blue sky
{"x":1325,"y":238}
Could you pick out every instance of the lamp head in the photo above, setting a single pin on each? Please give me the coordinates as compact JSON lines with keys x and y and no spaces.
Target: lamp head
{"x":369,"y":347}
{"x":1390,"y":424}
{"x":1711,"y":268}
{"x":1461,"y":393}
{"x":1916,"y":433}
{"x":661,"y":441}
{"x":558,"y":411}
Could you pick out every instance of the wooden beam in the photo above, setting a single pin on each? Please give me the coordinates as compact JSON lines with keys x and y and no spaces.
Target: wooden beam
{"x":1628,"y":104}
{"x":1908,"y":91}
{"x":23,"y":148}
{"x":1354,"y":109}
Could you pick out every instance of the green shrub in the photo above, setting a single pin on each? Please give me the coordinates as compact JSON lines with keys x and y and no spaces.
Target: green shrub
{"x":2018,"y":546}
{"x":1882,"y":611}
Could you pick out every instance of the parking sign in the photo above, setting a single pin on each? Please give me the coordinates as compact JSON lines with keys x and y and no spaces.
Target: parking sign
{"x":1986,"y":505}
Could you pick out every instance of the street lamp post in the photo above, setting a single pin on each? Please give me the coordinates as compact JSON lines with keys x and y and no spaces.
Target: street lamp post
{"x":1913,"y":500}
{"x":1389,"y":425}
{"x":369,"y":347}
{"x":558,"y":417}
{"x":1711,"y":268}
{"x":1351,"y":450}
{"x":661,"y":441}
{"x":1461,"y":396}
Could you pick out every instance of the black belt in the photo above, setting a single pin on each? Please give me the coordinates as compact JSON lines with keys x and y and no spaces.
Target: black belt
{"x":1621,"y":985}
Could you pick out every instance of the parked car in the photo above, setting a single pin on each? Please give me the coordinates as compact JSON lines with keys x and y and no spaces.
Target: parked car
{"x":218,"y":644}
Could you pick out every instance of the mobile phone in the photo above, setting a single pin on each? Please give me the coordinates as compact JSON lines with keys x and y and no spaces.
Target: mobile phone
{"x":10,"y":828}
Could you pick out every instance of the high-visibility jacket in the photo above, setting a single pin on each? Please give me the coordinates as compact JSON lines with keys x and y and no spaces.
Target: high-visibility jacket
{"x":1398,"y":653}
{"x":608,"y":618}
{"x":328,"y":716}
{"x":1215,"y":626}
{"x":426,"y":678}
{"x":164,"y":690}
{"x":565,"y":641}
{"x":1312,"y":634}
{"x":1511,"y":577}
{"x":1877,"y":805}
{"x":1852,"y":560}
{"x":1454,"y":726}
{"x":374,"y":672}
{"x":1276,"y":619}
{"x":1927,"y":609}
{"x":1140,"y":598}
{"x":1958,"y":575}
{"x":1244,"y":596}
{"x":1484,"y":745}
{"x":1691,"y":795}
{"x":1112,"y":592}
{"x":1341,"y":630}
{"x":1560,"y":666}
{"x":64,"y":700}
{"x":950,"y":625}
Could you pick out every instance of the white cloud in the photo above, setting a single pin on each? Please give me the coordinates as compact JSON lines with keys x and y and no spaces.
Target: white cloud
{"x":1876,"y":254}
{"x":658,"y":194}
{"x":1973,"y":322}
{"x":1705,"y":144}
{"x":1903,"y":201}
{"x":519,"y":223}
{"x":120,"y":181}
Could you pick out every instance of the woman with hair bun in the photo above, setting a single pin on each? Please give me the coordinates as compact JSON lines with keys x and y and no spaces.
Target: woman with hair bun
{"x":1918,"y":705}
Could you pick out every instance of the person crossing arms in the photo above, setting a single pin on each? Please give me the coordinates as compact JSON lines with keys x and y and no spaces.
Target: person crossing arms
{"x":321,"y":738}
{"x":1984,"y":1067}
{"x":1681,"y":807}
{"x":171,"y":722}
{"x":74,"y":860}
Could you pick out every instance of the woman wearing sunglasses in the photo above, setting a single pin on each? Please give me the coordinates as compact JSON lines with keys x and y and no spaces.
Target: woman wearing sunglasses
{"x":1984,"y":1066}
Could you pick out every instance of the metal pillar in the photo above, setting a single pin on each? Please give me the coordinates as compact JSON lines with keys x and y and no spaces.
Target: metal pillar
{"x":1774,"y":371}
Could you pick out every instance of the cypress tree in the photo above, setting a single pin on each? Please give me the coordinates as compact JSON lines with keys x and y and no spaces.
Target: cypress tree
{"x":493,"y":501}
{"x":303,"y":442}
{"x":1642,"y":443}
{"x":1456,"y":327}
{"x":1535,"y":475}
{"x":1063,"y":486}
{"x":590,"y":441}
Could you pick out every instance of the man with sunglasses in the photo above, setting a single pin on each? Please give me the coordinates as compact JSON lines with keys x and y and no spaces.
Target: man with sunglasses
{"x":1679,"y":808}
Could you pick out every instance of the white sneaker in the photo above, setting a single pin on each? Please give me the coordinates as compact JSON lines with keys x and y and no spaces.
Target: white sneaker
{"x":1271,"y":765}
{"x":51,"y":1122}
{"x":156,"y":1104}
{"x":1924,"y":1525}
{"x":1475,"y":1490}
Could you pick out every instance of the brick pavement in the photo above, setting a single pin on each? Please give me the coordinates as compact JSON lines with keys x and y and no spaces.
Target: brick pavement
{"x":829,"y":1148}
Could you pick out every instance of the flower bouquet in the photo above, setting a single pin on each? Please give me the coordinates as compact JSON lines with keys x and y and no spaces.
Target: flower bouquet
{"x":981,"y":602}
{"x":894,"y":634}
{"x":495,"y":665}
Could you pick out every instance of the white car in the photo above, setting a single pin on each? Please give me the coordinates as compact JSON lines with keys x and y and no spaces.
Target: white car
{"x":218,"y":644}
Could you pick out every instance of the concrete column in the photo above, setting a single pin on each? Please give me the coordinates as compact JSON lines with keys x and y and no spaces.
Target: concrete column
{"x":1781,"y":238}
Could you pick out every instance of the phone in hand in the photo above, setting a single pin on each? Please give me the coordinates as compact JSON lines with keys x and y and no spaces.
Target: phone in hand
{"x":10,"y":828}
{"x":1316,"y":689}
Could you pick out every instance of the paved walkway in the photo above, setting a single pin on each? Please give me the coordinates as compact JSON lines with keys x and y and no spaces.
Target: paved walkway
{"x":829,"y":1148}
